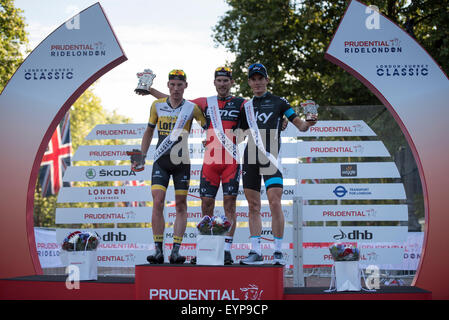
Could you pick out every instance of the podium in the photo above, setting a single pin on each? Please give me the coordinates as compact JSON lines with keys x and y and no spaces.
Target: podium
{"x":202,"y":282}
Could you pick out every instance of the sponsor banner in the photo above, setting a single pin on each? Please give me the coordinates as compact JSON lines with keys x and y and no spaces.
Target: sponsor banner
{"x":194,"y":213}
{"x":386,"y":255}
{"x":376,"y":253}
{"x":103,"y":215}
{"x":115,"y":238}
{"x":198,"y":151}
{"x":105,"y":173}
{"x":393,"y":212}
{"x":347,"y":170}
{"x":107,"y":152}
{"x":355,"y":234}
{"x":385,"y":56}
{"x":117,"y":131}
{"x":238,"y":250}
{"x":241,"y":235}
{"x":359,"y":191}
{"x":413,"y":247}
{"x":228,"y":284}
{"x":124,"y":173}
{"x":48,"y":249}
{"x":133,"y":131}
{"x":122,"y":258}
{"x":289,"y":171}
{"x":342,"y":149}
{"x":104,"y":194}
{"x":118,"y":152}
{"x":289,"y":191}
{"x":344,"y":128}
{"x":318,"y":254}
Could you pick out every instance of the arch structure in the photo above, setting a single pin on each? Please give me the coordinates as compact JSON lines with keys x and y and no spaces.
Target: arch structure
{"x":407,"y":80}
{"x":32,"y":104}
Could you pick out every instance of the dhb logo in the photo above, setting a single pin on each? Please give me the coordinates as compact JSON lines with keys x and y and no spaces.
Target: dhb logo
{"x":354,"y":235}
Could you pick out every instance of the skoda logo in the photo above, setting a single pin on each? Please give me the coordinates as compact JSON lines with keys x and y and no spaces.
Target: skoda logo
{"x":90,"y":173}
{"x":340,"y":191}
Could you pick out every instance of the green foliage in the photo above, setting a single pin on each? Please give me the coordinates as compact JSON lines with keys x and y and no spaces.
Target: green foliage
{"x":291,"y":37}
{"x":12,"y":38}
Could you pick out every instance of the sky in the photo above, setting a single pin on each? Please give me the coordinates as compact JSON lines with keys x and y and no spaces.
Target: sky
{"x":155,"y":34}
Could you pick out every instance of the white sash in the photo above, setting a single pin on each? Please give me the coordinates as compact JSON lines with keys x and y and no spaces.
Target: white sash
{"x":252,"y":123}
{"x":214,"y":113}
{"x":184,"y":115}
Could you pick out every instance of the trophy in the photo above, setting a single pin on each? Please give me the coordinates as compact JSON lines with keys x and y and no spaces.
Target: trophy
{"x":145,"y":81}
{"x":310,"y":110}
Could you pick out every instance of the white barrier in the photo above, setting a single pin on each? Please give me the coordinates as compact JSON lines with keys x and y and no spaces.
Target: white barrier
{"x":295,"y":170}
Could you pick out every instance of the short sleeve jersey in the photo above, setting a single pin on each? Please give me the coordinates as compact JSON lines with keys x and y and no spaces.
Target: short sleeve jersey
{"x":231,"y":114}
{"x":164,"y":117}
{"x":269,"y":111}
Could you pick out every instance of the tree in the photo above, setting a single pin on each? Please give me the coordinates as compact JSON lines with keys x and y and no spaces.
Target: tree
{"x":291,"y":37}
{"x":12,"y":38}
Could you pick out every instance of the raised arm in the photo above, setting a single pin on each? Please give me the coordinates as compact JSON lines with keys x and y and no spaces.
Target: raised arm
{"x":157,"y":94}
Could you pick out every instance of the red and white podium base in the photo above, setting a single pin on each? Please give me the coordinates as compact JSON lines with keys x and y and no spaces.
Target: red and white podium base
{"x":190,"y":282}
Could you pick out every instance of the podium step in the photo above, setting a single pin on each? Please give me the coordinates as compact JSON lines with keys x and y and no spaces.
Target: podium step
{"x":200,"y":282}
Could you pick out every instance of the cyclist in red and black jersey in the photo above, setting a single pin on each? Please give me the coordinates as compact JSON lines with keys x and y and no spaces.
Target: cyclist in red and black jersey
{"x":220,"y":163}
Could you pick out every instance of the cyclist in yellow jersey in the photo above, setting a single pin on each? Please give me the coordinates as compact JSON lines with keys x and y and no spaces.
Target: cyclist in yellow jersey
{"x":173,"y":118}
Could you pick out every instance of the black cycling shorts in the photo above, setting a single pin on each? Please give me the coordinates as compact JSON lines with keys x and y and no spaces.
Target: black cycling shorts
{"x":163,"y":168}
{"x":252,"y":174}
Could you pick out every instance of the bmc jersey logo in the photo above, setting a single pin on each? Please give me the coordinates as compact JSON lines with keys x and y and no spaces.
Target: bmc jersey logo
{"x":234,"y":114}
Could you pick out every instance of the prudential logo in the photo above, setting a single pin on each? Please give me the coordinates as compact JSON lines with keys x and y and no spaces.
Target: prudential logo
{"x":340,"y":191}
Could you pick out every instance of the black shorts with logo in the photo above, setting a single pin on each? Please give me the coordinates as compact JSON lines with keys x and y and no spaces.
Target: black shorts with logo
{"x":163,"y":168}
{"x":252,"y":174}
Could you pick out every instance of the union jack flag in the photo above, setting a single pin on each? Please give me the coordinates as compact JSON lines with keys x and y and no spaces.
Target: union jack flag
{"x":56,"y":159}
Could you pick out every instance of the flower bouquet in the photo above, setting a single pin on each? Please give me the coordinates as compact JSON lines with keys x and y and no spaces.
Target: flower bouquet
{"x":81,"y":241}
{"x":213,"y":226}
{"x":79,"y":250}
{"x":210,"y":240}
{"x":344,"y":252}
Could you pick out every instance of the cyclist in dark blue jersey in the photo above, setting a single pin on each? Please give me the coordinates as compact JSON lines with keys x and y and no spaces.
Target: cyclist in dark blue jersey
{"x":264,"y":113}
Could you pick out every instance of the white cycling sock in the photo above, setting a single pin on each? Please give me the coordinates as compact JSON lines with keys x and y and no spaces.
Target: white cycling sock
{"x":255,"y":244}
{"x":278,"y":244}
{"x":228,"y":243}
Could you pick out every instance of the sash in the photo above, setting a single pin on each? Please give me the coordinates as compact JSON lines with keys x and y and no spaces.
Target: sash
{"x":215,"y":118}
{"x":184,"y":115}
{"x":252,"y":123}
